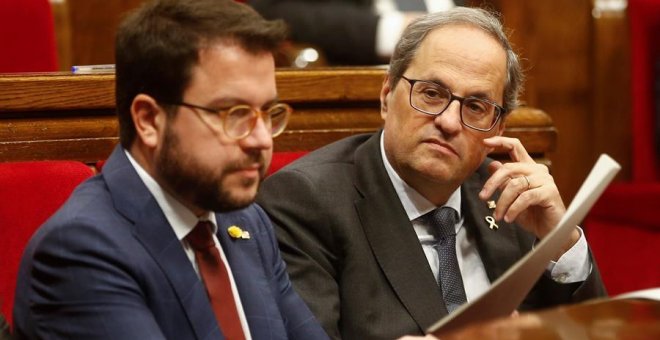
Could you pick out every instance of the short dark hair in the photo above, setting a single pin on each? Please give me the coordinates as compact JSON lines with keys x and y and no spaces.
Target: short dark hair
{"x":158,"y":45}
{"x":487,"y":21}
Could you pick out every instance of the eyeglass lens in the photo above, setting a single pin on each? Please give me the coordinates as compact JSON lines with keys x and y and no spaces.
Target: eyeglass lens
{"x":240,"y":120}
{"x":433,"y":99}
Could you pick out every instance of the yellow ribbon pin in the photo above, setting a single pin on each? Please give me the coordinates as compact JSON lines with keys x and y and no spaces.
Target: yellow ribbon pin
{"x":236,"y":232}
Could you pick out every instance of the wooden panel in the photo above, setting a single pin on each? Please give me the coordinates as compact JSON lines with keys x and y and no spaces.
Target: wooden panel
{"x":64,"y":116}
{"x":612,"y":89}
{"x":31,"y":129}
{"x":62,"y":22}
{"x":34,"y":93}
{"x":557,"y":59}
{"x":93,"y":26}
{"x":335,"y":84}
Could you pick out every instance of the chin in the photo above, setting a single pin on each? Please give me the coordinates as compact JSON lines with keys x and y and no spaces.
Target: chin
{"x":439,"y":173}
{"x":247,"y":197}
{"x":238,"y":203}
{"x":243,"y":196}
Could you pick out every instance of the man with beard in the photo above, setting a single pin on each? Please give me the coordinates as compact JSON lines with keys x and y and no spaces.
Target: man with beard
{"x":166,"y":242}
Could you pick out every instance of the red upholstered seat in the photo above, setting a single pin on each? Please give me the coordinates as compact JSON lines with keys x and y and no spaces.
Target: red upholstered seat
{"x":624,"y":233}
{"x":281,"y":159}
{"x":623,"y":227}
{"x":27,"y":36}
{"x":29,"y":193}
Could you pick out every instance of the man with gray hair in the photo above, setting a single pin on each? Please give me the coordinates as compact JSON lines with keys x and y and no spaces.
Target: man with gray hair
{"x":384,"y":234}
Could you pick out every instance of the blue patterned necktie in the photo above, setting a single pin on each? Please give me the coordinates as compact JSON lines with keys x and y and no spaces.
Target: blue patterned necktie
{"x":449,"y":278}
{"x":411,"y":5}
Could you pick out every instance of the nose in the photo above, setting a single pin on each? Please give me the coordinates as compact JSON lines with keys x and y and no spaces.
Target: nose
{"x":450,"y":120}
{"x":260,"y":137}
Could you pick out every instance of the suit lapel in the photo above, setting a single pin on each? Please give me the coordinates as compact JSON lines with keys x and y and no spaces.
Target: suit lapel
{"x":242,"y":255}
{"x":497,"y":247}
{"x":393,"y":240}
{"x":133,"y":200}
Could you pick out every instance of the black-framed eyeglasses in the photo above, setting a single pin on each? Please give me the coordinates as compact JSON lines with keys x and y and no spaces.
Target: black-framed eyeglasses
{"x":432,"y":99}
{"x":238,"y":121}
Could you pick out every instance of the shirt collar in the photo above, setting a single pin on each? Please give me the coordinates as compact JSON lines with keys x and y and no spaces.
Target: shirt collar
{"x":181,"y":219}
{"x":413,"y":202}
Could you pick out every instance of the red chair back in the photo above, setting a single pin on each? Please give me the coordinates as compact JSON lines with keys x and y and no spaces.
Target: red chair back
{"x":281,"y":159}
{"x":624,"y":235}
{"x":30,"y":192}
{"x":28,"y":36}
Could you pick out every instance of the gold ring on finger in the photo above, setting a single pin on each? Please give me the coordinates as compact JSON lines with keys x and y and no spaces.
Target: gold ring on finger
{"x":527,"y":180}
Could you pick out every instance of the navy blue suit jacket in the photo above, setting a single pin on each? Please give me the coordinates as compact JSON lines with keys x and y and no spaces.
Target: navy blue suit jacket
{"x":108,"y":265}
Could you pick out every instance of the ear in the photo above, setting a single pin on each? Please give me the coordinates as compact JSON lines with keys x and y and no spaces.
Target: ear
{"x":385,"y":93}
{"x":149,"y":119}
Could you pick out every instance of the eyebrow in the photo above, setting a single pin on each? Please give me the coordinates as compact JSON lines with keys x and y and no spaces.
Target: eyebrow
{"x":478,"y":95}
{"x":225,"y":103}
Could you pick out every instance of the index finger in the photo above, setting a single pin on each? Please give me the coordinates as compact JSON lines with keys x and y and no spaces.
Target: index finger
{"x":514,"y":148}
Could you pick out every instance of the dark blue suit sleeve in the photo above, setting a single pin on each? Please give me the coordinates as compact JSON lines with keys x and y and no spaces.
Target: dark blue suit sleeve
{"x":78,"y":288}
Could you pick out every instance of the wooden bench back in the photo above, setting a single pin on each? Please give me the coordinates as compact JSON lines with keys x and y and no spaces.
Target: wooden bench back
{"x":72,"y":117}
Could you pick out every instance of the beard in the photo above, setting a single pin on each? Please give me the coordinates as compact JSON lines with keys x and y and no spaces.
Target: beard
{"x":205,"y":188}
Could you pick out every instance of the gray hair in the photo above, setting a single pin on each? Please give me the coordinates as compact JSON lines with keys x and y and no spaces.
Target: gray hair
{"x":489,"y":22}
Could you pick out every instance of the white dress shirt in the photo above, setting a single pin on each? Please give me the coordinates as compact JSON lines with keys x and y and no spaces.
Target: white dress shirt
{"x":573,"y":266}
{"x":182,"y":221}
{"x":391,"y":23}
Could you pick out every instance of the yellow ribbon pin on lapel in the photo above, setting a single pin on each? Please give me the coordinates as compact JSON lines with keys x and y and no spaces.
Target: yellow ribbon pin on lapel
{"x":236,"y":232}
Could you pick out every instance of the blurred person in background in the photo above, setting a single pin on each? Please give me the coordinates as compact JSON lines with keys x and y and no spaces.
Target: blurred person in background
{"x":350,"y":32}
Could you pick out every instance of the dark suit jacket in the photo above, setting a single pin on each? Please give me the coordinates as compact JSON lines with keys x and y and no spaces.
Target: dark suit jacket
{"x":353,"y":255}
{"x":108,"y":265}
{"x":345,"y":30}
{"x":4,"y":329}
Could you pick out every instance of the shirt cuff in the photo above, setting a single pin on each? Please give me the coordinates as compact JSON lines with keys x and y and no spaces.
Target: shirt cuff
{"x":574,"y":265}
{"x":389,"y":29}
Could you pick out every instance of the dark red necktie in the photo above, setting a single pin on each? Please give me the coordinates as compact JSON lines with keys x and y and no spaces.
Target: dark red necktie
{"x":216,"y":279}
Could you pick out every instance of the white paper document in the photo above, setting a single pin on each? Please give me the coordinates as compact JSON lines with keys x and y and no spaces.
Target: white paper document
{"x":508,"y":291}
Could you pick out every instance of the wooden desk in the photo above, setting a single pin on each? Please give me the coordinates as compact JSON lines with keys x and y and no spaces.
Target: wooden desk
{"x":65,"y":116}
{"x":598,"y":319}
